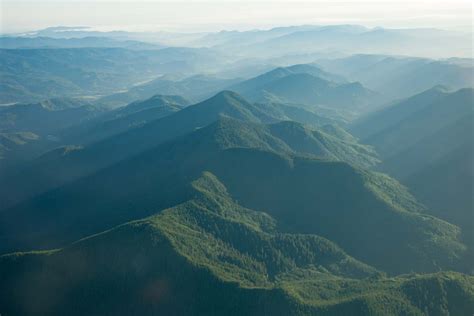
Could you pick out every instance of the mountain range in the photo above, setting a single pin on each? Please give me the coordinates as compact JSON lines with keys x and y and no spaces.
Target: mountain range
{"x":61,"y":165}
{"x":209,"y":184}
{"x":426,"y":141}
{"x":30,"y":75}
{"x":305,"y":84}
{"x":399,"y":77}
{"x":304,"y":170}
{"x":211,"y":256}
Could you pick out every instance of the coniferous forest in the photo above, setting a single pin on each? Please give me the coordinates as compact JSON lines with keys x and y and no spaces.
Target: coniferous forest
{"x":293,"y":170}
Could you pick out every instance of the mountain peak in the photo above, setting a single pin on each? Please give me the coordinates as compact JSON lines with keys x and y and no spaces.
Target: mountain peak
{"x":157,"y":100}
{"x":227,"y":97}
{"x":227,"y":94}
{"x":440,"y":88}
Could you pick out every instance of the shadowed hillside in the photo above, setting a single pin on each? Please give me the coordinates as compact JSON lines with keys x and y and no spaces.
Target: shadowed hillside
{"x":427,"y":142}
{"x":211,"y":256}
{"x":352,"y":207}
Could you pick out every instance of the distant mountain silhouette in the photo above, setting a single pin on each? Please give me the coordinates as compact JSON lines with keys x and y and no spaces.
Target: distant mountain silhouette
{"x":305,"y":84}
{"x":426,"y":141}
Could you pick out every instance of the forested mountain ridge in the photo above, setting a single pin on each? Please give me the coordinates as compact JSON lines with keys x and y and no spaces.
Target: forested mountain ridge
{"x":52,"y":170}
{"x":207,"y":248}
{"x":426,"y":141}
{"x":302,"y":170}
{"x":306,"y":84}
{"x":306,"y":195}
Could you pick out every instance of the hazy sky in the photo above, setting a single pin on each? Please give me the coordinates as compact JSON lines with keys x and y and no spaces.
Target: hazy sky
{"x":21,"y":15}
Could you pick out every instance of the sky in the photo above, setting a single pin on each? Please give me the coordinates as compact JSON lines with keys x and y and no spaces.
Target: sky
{"x":215,"y":15}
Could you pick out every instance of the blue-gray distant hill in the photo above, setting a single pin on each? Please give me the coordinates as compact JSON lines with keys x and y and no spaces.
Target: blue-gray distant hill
{"x":12,"y":42}
{"x":31,"y":75}
{"x":427,"y":142}
{"x":398,"y":77}
{"x":307,"y":85}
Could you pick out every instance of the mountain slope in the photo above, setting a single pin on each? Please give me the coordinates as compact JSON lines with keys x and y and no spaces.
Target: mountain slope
{"x":441,"y":112}
{"x":398,"y":77}
{"x":122,"y":119}
{"x":304,"y":84}
{"x":387,"y":118}
{"x":51,"y":170}
{"x":285,"y":138}
{"x":352,"y":207}
{"x":45,"y":117}
{"x":210,"y":256}
{"x":195,"y":88}
{"x":426,"y":141}
{"x":31,"y":75}
{"x":446,"y":185}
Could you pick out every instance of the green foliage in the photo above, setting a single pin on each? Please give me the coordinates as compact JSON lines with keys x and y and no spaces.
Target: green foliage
{"x":211,"y":256}
{"x":340,"y":203}
{"x":46,"y":174}
{"x":229,"y":207}
{"x":258,"y":165}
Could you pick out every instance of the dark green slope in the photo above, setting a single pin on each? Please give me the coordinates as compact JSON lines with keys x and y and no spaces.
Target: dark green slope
{"x":442,"y":141}
{"x":432,"y":294}
{"x":329,"y":142}
{"x":252,"y":248}
{"x":210,"y":256}
{"x":447,"y":186}
{"x":51,"y":171}
{"x":355,"y":208}
{"x":149,"y":274}
{"x":165,"y":167}
{"x":288,"y":138}
{"x":346,"y":205}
